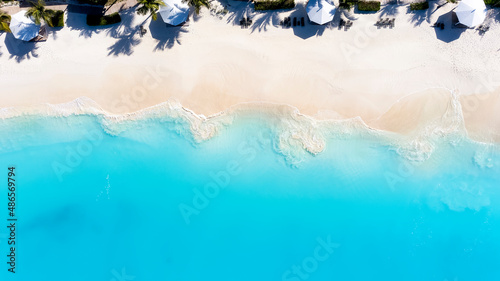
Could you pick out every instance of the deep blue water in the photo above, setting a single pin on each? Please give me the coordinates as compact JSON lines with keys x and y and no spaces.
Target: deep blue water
{"x":151,"y":204}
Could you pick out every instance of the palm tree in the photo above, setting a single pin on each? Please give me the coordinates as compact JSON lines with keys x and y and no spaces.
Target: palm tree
{"x":38,"y":12}
{"x":197,"y":4}
{"x":149,"y":7}
{"x":4,"y":21}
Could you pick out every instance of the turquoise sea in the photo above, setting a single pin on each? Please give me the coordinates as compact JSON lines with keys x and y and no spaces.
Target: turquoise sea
{"x":146,"y":201}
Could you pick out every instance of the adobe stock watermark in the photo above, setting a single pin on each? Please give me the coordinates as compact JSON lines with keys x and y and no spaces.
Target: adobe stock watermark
{"x":310,"y":264}
{"x":121,"y":276}
{"x":361,"y":40}
{"x":137,"y":95}
{"x":221,"y":179}
{"x":404,"y":170}
{"x":484,"y":90}
{"x":76,"y":153}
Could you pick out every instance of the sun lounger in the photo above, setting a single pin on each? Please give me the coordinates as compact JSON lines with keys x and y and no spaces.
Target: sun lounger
{"x":348,"y":25}
{"x":483,"y":28}
{"x":42,"y":35}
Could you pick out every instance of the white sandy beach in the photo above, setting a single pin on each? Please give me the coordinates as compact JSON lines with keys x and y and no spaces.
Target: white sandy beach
{"x":397,"y":79}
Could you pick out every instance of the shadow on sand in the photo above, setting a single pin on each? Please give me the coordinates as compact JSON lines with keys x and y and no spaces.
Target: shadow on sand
{"x":20,"y":50}
{"x":52,"y":32}
{"x":262,"y":20}
{"x":126,"y":33}
{"x":451,"y":32}
{"x":125,"y":44}
{"x":420,"y":17}
{"x":237,"y":10}
{"x":78,"y":22}
{"x":166,"y":36}
{"x":310,"y":29}
{"x":390,"y":9}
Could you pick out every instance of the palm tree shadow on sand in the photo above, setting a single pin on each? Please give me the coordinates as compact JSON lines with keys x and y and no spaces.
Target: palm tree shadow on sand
{"x":422,"y":16}
{"x":78,"y":22}
{"x":126,"y":34}
{"x":389,"y":9}
{"x":263,"y":20}
{"x":166,"y":36}
{"x":237,"y":10}
{"x":20,"y":50}
{"x":125,"y":44}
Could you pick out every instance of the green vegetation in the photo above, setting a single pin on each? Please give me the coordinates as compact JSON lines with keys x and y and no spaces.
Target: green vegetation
{"x":419,"y":6}
{"x":4,"y":21}
{"x":41,"y":14}
{"x":56,"y":18}
{"x":347,"y":4}
{"x":198,"y":4}
{"x":96,"y":20}
{"x":492,"y":2}
{"x":149,"y":7}
{"x":274,"y":5}
{"x":369,"y":6}
{"x":38,"y":12}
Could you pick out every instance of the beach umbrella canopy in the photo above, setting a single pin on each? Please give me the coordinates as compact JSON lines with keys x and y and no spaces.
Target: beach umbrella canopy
{"x":471,"y":12}
{"x":23,"y":28}
{"x":174,"y":12}
{"x":320,"y":11}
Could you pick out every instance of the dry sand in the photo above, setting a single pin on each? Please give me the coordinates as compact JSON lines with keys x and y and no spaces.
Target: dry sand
{"x":395,"y":79}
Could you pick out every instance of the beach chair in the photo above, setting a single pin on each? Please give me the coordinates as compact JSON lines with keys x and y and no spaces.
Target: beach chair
{"x":348,"y":25}
{"x":42,"y":35}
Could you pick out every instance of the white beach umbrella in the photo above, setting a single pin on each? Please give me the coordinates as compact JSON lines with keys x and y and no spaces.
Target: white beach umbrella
{"x":471,"y":12}
{"x":174,"y":12}
{"x":320,"y":11}
{"x":23,"y":28}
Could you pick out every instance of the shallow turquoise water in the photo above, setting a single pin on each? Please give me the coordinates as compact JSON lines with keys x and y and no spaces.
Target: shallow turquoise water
{"x":150,"y":204}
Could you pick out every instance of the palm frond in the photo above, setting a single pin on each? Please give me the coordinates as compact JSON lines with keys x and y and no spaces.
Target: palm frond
{"x":149,"y":7}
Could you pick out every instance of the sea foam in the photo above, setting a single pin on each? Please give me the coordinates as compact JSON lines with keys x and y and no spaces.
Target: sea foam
{"x":295,"y":132}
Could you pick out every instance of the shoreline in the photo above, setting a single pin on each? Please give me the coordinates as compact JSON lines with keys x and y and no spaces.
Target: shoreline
{"x":399,"y":80}
{"x":449,"y":116}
